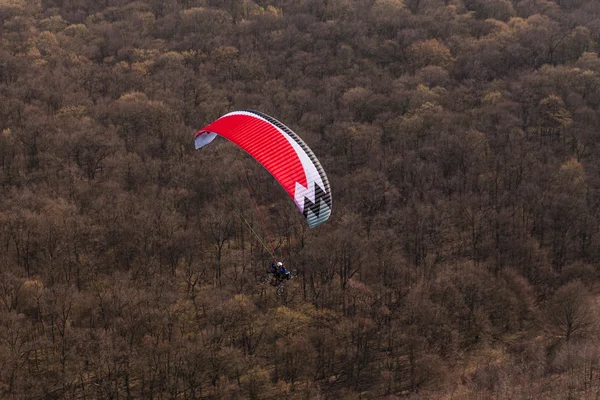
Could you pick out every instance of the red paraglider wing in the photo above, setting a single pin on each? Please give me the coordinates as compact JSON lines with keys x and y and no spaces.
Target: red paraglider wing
{"x":282,"y":153}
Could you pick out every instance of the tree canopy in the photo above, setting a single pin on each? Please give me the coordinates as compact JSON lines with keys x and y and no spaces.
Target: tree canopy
{"x":460,"y":139}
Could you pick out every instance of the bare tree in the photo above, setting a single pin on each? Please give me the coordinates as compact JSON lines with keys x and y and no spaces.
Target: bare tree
{"x":571,"y":312}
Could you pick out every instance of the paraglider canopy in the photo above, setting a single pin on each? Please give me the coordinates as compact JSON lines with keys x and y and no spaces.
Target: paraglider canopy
{"x":277,"y":148}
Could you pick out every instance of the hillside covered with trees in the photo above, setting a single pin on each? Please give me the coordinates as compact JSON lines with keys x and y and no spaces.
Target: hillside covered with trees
{"x":461,"y":140}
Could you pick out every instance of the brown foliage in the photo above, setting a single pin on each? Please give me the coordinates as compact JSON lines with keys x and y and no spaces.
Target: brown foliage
{"x":460,"y":139}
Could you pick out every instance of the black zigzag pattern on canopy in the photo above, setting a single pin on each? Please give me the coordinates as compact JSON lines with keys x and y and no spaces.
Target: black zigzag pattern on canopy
{"x":320,"y":196}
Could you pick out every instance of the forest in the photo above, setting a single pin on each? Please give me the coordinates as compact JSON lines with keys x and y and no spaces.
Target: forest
{"x":462,"y":257}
